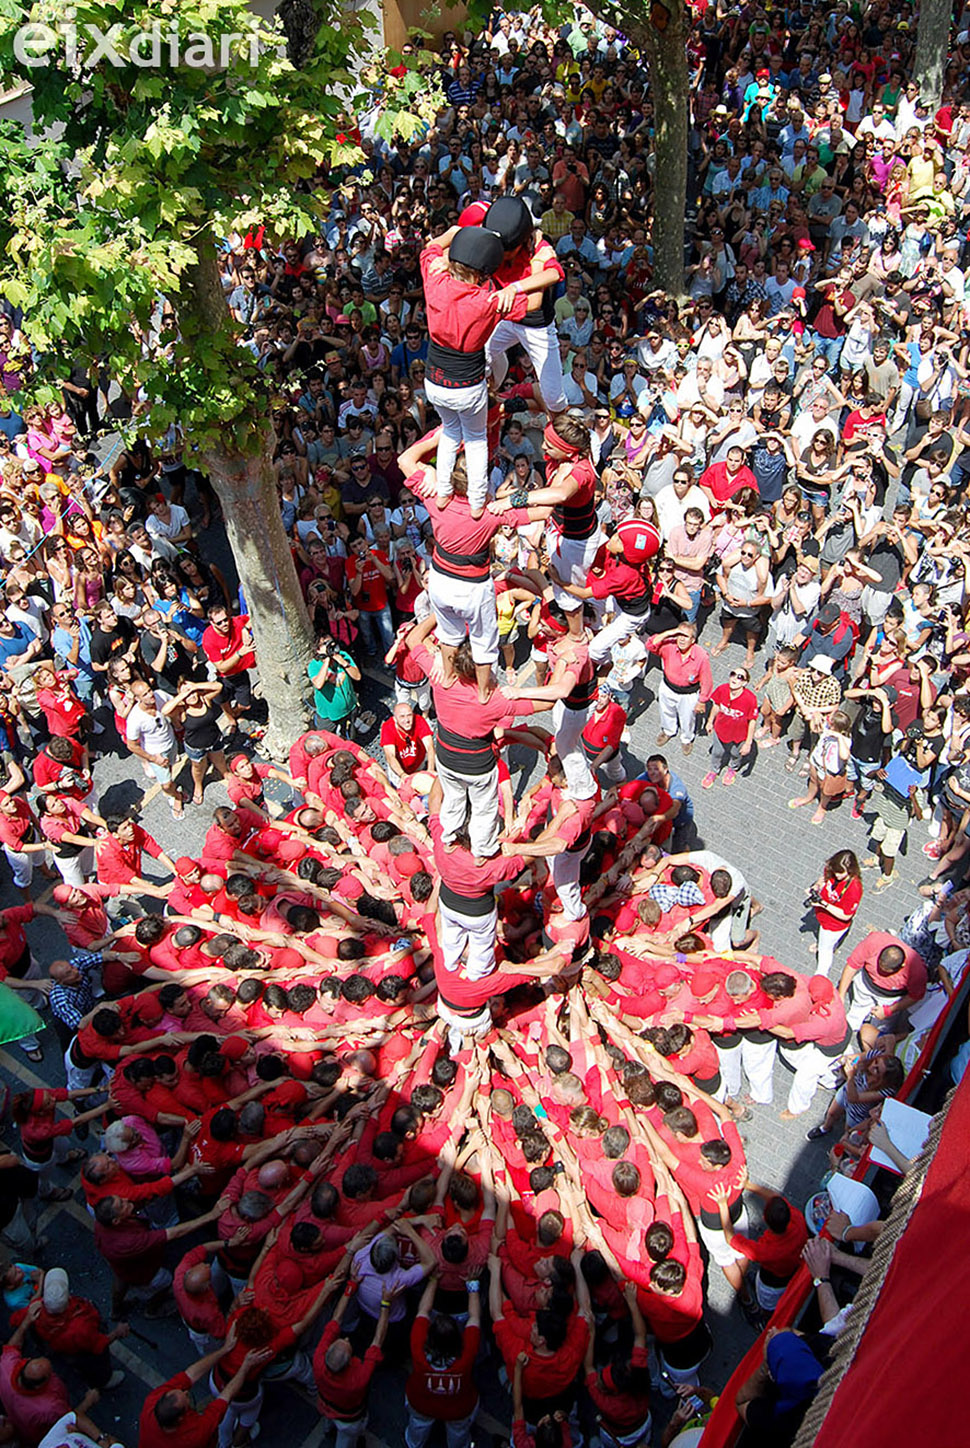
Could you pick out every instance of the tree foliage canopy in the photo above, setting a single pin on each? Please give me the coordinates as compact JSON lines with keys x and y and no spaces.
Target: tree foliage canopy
{"x":146,"y":153}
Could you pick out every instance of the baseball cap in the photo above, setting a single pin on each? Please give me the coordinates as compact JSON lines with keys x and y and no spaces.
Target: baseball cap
{"x":665,"y":976}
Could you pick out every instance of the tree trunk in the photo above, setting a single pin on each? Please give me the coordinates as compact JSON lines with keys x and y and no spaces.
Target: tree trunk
{"x":243,"y":478}
{"x":666,"y":51}
{"x":669,"y":87}
{"x":932,"y":48}
{"x":281,"y":629}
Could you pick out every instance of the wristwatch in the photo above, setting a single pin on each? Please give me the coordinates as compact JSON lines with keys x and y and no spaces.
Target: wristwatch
{"x":817,"y":1281}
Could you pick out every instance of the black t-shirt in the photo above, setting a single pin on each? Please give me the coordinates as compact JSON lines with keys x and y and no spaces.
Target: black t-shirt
{"x":105,"y":644}
{"x":868,"y":737}
{"x":202,"y":730}
{"x":887,"y":560}
{"x":177,"y":666}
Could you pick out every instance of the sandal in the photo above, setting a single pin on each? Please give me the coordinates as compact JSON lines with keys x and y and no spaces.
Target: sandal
{"x":35,"y":1054}
{"x":791,"y":763}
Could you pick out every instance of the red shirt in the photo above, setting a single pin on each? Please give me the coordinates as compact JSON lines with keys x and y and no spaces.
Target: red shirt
{"x":604,"y":730}
{"x":614,"y":577}
{"x":721,"y":485}
{"x":217,"y":646}
{"x":63,"y":711}
{"x":15,"y":830}
{"x":411,"y":749}
{"x":734,"y":713}
{"x":543,"y":1377}
{"x":909,"y":979}
{"x":778,"y":1252}
{"x":461,"y":315}
{"x":845,"y":894}
{"x":684,"y":671}
{"x":251,"y":789}
{"x":372,"y":597}
{"x":48,"y":771}
{"x":119,"y":864}
{"x":31,"y":1413}
{"x":13,"y":941}
{"x":446,"y":1394}
{"x":342,"y":1395}
{"x":195,"y":1429}
{"x":467,"y":721}
{"x":76,"y":1329}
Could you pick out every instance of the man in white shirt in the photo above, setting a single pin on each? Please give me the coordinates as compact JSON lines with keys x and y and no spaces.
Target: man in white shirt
{"x":673,"y":501}
{"x":876,"y":122}
{"x":814,"y":419}
{"x":150,"y":737}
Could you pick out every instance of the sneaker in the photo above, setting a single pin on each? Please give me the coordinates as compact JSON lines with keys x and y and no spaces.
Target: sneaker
{"x":933,"y":849}
{"x":816,"y":1133}
{"x":884,"y":881}
{"x":856,"y":811}
{"x":730,"y":775}
{"x":687,"y":747}
{"x":115,"y":1379}
{"x":709,"y":779}
{"x":663,"y":738}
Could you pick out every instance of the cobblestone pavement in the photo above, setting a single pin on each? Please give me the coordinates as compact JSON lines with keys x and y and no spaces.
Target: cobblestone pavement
{"x":779,"y":852}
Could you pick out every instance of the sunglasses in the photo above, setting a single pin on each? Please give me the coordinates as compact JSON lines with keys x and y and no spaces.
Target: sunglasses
{"x":739,"y":674}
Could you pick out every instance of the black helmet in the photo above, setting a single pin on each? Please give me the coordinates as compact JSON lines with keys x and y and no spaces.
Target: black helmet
{"x":510,"y":219}
{"x":477,"y":248}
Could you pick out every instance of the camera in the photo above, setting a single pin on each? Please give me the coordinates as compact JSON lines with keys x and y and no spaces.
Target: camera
{"x":812,"y":897}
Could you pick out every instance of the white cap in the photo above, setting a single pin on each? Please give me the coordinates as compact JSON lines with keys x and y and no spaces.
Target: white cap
{"x":57,"y":1290}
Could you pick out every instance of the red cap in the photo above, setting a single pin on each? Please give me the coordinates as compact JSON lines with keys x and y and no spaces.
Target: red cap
{"x":185,"y":864}
{"x":703,"y":982}
{"x":289,"y":1275}
{"x":762,"y":73}
{"x":473,"y":214}
{"x":805,"y":244}
{"x":302,"y":1064}
{"x":150,"y":1011}
{"x":290,"y":1093}
{"x":641,"y":540}
{"x":821,"y":990}
{"x":234,"y":1048}
{"x":798,"y":295}
{"x":409,"y":864}
{"x":62,"y":893}
{"x":665,"y":976}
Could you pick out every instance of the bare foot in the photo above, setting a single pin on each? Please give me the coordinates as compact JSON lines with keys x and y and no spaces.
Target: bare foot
{"x":717,"y":650}
{"x":787,"y":1115}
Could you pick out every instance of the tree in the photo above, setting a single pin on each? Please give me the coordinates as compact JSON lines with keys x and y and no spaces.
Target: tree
{"x":932,"y":48}
{"x":660,"y":32}
{"x":168,"y":129}
{"x":662,"y":35}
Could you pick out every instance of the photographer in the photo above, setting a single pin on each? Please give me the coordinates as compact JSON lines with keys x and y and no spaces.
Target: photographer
{"x":333,"y":675}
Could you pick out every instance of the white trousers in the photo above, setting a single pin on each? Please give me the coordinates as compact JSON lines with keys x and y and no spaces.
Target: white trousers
{"x":810,"y":1067}
{"x":473,"y":797}
{"x":21,"y":866}
{"x":716,"y":1242}
{"x":861,"y":1000}
{"x":464,"y":418}
{"x":465,"y":608}
{"x":564,"y":872}
{"x":76,"y":870}
{"x":468,"y":937}
{"x":417,"y":695}
{"x":569,"y":725}
{"x":78,"y":1077}
{"x":757,"y":1060}
{"x":828,"y":943}
{"x":572,"y":559}
{"x":677,"y":712}
{"x":619,"y":626}
{"x":542,"y":345}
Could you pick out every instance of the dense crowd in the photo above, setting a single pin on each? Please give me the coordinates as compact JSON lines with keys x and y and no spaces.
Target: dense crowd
{"x":436,"y":1073}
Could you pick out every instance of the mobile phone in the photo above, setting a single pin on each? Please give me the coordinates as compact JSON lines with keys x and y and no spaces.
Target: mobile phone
{"x":693,"y":1402}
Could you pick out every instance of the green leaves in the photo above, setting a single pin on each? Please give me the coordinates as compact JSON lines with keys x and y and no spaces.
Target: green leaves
{"x":168,"y":125}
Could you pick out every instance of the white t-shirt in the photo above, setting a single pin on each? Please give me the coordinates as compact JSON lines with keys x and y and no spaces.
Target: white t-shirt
{"x":178,"y":519}
{"x":151,"y":732}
